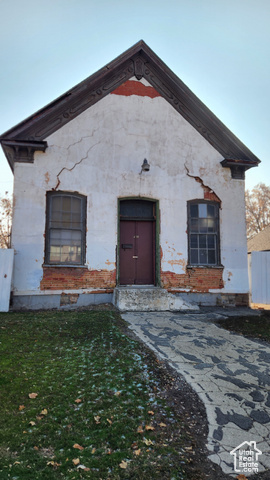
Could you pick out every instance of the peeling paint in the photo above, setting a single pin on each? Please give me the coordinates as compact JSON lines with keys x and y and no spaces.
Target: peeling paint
{"x":208,"y":192}
{"x":109,"y":263}
{"x":179,"y":261}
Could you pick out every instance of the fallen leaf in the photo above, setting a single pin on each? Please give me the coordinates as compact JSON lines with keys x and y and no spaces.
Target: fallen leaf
{"x":83,"y":467}
{"x":137,"y":452}
{"x":21,"y":407}
{"x":76,"y":461}
{"x":32,"y":423}
{"x":148,"y":442}
{"x":76,"y":445}
{"x":123,"y":464}
{"x":44,"y":412}
{"x":117,"y":394}
{"x":108,"y":420}
{"x":36,"y":448}
{"x":78,"y":400}
{"x":93,"y":450}
{"x":140,"y":429}
{"x":161,"y":424}
{"x":39,"y":418}
{"x":16,"y":463}
{"x":53,"y":464}
{"x":134,"y":445}
{"x":151,"y":412}
{"x":97,"y":419}
{"x":149,"y":427}
{"x":33,"y":395}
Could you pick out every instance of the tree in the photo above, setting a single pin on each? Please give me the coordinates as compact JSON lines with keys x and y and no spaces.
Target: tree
{"x":5,"y":220}
{"x":257,"y":209}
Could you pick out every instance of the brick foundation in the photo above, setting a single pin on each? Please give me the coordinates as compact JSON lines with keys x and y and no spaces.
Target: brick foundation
{"x":61,"y":278}
{"x":195,"y":279}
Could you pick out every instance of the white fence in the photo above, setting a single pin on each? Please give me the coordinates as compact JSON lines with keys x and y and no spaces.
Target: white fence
{"x":260,"y":278}
{"x":6,"y":267}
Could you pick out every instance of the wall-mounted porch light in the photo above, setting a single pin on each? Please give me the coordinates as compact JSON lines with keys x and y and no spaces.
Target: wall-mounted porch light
{"x":145,"y":166}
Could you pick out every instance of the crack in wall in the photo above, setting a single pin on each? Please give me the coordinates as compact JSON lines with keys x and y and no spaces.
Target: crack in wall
{"x":75,"y":165}
{"x":206,"y":188}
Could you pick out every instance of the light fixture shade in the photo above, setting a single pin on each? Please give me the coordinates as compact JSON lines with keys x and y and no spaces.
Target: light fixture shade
{"x":145,"y":166}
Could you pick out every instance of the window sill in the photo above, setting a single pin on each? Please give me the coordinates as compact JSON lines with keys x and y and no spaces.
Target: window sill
{"x":57,"y":265}
{"x":205,"y":266}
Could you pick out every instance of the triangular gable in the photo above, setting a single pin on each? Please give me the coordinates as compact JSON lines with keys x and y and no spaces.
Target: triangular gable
{"x":21,"y":141}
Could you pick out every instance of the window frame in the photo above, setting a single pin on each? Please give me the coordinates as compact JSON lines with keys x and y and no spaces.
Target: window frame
{"x":216,"y":205}
{"x":49,"y":196}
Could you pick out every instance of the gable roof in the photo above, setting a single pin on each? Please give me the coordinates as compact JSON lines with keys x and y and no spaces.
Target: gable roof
{"x":20,"y":142}
{"x":260,"y":242}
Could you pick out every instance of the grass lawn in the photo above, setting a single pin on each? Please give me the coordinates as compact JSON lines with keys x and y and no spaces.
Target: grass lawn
{"x":80,"y":400}
{"x":255,"y":327}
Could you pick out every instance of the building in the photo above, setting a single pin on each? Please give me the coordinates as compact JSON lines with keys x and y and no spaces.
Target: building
{"x":128,"y":179}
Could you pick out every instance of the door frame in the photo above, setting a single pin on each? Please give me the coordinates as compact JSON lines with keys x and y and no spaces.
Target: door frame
{"x":157,"y":233}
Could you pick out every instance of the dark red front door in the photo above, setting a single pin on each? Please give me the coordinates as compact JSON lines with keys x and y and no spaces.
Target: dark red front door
{"x":137,"y":252}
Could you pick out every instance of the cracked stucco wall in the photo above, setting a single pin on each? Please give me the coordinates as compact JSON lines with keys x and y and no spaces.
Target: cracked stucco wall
{"x":99,"y":154}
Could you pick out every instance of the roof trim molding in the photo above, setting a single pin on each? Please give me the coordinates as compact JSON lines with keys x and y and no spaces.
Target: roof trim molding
{"x":21,"y":151}
{"x":238,"y":167}
{"x":139,"y":61}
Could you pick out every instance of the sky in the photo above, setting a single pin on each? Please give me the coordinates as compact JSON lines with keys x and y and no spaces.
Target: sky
{"x":219,"y":48}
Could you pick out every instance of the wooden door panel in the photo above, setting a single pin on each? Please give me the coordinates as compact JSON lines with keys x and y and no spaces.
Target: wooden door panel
{"x":127,"y":252}
{"x":145,"y":247}
{"x":137,"y":257}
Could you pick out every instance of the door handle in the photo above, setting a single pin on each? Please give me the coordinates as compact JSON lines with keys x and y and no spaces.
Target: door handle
{"x":135,"y":256}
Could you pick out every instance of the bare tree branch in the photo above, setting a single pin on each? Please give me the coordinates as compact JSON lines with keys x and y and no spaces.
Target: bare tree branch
{"x":257,"y":209}
{"x":5,"y":221}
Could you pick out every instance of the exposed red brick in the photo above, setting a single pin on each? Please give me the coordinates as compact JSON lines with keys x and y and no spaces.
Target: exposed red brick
{"x":61,"y":278}
{"x":195,"y":279}
{"x":135,"y":88}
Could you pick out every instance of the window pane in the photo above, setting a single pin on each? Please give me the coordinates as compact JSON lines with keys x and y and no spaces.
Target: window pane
{"x":211,"y":257}
{"x":211,"y":225}
{"x":194,"y":241}
{"x":65,"y":246}
{"x":66,"y":219}
{"x":211,"y":241}
{"x":194,"y":226}
{"x":210,"y":211}
{"x":137,"y":209}
{"x":57,"y":203}
{"x":66,"y":203}
{"x":202,"y":241}
{"x":76,"y":205}
{"x":203,"y":256}
{"x":194,"y":211}
{"x":202,"y":210}
{"x":203,"y":225}
{"x":194,"y":257}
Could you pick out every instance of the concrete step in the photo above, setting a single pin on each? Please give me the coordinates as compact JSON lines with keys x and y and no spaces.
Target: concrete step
{"x":147,"y":298}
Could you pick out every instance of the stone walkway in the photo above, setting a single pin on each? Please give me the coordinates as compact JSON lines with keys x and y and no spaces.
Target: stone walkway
{"x":229,"y":372}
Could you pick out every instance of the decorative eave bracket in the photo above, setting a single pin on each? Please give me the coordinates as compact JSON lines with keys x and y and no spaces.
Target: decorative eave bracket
{"x":238,"y":167}
{"x":22,"y":150}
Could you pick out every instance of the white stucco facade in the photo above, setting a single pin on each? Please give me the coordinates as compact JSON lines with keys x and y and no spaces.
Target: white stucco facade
{"x":99,"y":154}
